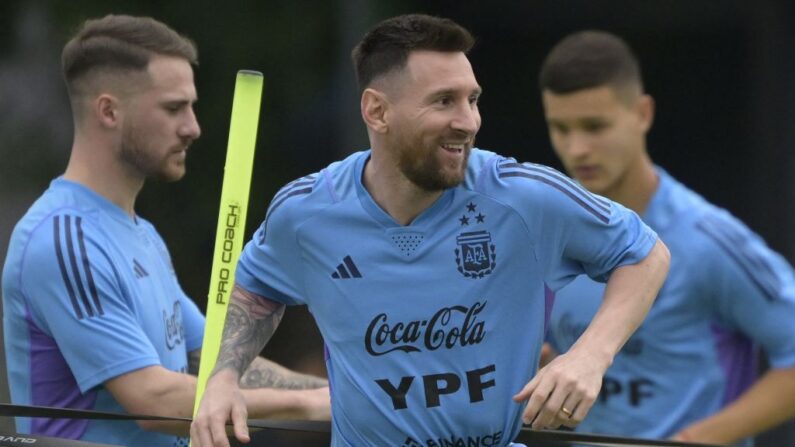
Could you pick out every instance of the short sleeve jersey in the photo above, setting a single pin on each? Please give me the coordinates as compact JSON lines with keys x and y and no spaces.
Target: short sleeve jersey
{"x":726,"y":294}
{"x":432,"y":327}
{"x":89,"y":293}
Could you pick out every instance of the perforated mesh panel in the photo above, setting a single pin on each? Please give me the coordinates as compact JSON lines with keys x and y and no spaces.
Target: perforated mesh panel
{"x":407,"y":243}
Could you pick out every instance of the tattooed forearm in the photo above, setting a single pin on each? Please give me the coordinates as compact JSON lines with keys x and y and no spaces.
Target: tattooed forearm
{"x":264,"y":373}
{"x":250,"y":323}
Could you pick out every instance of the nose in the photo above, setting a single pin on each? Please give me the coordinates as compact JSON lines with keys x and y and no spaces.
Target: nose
{"x":467,"y":119}
{"x":577,"y":144}
{"x":190,"y":129}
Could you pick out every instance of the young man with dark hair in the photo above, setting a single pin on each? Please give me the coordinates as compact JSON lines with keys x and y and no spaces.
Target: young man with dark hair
{"x":689,"y":371}
{"x":94,"y":316}
{"x":428,"y":264}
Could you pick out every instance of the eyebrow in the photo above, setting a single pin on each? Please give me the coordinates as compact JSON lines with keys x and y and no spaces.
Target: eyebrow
{"x":180,"y":101}
{"x":450,"y":91}
{"x":578,"y":120}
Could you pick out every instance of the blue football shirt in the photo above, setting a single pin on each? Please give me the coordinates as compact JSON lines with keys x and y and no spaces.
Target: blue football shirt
{"x":432,"y":327}
{"x":726,"y":294}
{"x":89,"y":294}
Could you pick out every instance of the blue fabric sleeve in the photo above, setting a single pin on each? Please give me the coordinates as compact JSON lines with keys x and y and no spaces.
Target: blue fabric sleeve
{"x":270,"y":264}
{"x":599,"y":247}
{"x":753,"y":287}
{"x":579,"y":232}
{"x":75,"y":295}
{"x":193,"y":322}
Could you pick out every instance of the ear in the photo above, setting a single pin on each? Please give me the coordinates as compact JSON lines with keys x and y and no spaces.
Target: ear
{"x":645,"y":109}
{"x":107,"y":111}
{"x":374,"y":107}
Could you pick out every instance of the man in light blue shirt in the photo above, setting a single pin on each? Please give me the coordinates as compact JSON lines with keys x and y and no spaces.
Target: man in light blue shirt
{"x":689,"y":372}
{"x":94,"y":317}
{"x":429,"y":264}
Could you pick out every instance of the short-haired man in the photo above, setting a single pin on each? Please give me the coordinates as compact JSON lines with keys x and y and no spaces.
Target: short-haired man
{"x":689,"y":371}
{"x":94,"y":317}
{"x":427,"y":265}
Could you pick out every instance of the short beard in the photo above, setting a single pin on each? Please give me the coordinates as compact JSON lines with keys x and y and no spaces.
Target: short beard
{"x":426,"y":171}
{"x":134,"y":154}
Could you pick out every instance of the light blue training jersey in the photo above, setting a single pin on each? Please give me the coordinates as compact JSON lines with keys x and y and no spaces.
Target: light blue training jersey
{"x":89,"y":294}
{"x":726,"y":294}
{"x":432,"y":327}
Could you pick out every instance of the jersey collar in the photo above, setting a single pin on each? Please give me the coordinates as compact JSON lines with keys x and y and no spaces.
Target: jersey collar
{"x":100,"y":201}
{"x":424,"y":219}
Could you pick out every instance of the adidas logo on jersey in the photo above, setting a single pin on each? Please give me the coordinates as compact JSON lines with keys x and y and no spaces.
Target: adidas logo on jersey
{"x":346,"y":270}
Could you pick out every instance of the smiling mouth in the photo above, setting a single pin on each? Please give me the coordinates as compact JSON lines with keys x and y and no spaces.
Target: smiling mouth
{"x":455,"y":148}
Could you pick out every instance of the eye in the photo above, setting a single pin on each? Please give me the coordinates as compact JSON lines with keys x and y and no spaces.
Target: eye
{"x":594,"y":126}
{"x":174,"y":108}
{"x":474,"y":99}
{"x":558,"y":128}
{"x":445,"y":100}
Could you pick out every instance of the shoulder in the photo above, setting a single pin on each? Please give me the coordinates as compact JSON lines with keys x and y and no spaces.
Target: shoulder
{"x":303,"y":197}
{"x":54,"y":237}
{"x":531,"y":185}
{"x":52,"y":223}
{"x":291,"y":199}
{"x":674,"y":205}
{"x":730,"y":248}
{"x":720,"y":229}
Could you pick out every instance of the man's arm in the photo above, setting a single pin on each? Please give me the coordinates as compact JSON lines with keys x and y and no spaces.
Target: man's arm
{"x":572,"y":380}
{"x":759,"y":303}
{"x":251,"y":320}
{"x":264,"y":373}
{"x":158,"y":391}
{"x":769,"y":402}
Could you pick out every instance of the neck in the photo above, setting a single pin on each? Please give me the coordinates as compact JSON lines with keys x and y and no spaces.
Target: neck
{"x":393,"y":192}
{"x":94,"y":164}
{"x":637,"y":187}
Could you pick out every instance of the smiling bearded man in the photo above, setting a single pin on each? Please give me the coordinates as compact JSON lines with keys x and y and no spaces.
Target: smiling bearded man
{"x":428,"y":266}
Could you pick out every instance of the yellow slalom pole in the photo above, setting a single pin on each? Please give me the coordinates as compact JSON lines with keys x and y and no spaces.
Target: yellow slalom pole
{"x":231,"y":216}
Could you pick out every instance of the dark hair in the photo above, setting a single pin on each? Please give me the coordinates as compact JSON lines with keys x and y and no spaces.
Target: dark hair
{"x":386,"y":47}
{"x":589,"y":59}
{"x":121,"y":42}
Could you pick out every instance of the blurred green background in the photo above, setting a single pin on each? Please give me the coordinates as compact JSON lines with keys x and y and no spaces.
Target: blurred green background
{"x":722,"y":73}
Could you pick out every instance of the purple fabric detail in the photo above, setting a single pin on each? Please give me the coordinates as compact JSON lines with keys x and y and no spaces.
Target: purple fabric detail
{"x":549,"y":301}
{"x":738,"y":357}
{"x":53,"y":385}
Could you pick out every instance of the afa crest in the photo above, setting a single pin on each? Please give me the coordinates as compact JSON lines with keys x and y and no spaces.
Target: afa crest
{"x":476,"y":255}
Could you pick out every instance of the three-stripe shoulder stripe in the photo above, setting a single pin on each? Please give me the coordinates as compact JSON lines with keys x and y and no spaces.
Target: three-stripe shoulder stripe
{"x":595,"y":205}
{"x":735,"y":245}
{"x":139,"y":270}
{"x":69,"y":246}
{"x":300,"y":186}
